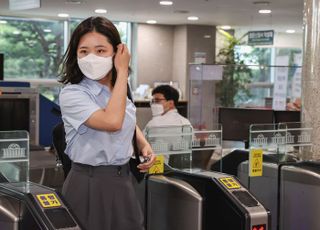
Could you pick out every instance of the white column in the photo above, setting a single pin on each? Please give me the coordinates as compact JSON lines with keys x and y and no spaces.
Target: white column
{"x":311,"y":71}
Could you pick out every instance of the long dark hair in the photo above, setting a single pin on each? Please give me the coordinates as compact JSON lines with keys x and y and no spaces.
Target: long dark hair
{"x":70,"y":72}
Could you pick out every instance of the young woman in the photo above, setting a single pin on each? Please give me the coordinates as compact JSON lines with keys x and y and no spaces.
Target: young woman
{"x":100,"y":122}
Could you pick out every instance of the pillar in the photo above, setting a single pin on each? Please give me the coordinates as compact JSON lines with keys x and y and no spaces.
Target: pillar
{"x":311,"y":72}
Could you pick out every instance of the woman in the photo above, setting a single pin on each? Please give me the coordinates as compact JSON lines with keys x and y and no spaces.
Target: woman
{"x":100,"y":121}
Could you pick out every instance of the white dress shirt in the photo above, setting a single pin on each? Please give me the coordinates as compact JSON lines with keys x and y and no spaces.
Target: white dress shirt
{"x":172,"y":117}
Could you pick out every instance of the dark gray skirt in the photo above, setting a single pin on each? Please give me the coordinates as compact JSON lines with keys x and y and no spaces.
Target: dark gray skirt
{"x":103,"y":197}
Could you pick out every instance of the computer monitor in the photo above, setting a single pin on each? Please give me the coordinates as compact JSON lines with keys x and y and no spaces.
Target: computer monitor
{"x":15,"y":114}
{"x":287,"y":116}
{"x":19,"y":110}
{"x":236,"y":122}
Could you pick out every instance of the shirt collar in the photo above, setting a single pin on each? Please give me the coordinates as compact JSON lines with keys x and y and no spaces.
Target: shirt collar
{"x":171,"y":111}
{"x":94,"y":86}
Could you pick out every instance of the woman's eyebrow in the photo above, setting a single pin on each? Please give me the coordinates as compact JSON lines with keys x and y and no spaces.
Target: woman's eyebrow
{"x":83,"y":47}
{"x":97,"y":46}
{"x":100,"y":46}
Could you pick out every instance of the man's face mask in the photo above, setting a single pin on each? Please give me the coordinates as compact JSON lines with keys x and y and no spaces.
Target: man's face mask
{"x":156,"y":109}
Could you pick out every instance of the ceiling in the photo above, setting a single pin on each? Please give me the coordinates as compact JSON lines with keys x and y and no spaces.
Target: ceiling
{"x":286,"y":14}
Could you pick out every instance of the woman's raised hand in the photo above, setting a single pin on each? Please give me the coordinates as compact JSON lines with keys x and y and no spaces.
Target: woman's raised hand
{"x":122,"y":58}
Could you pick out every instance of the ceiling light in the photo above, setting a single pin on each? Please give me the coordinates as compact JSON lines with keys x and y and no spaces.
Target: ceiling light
{"x":265,"y":11}
{"x":151,"y":21}
{"x":3,"y":22}
{"x":290,"y":31}
{"x":100,"y":11}
{"x":226,"y":27}
{"x":193,"y":18}
{"x":47,"y":30}
{"x":165,"y":3}
{"x":207,"y":36}
{"x":63,"y":15}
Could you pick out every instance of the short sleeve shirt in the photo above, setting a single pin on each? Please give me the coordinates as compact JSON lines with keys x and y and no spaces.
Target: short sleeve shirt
{"x":170,"y":118}
{"x":90,"y":146}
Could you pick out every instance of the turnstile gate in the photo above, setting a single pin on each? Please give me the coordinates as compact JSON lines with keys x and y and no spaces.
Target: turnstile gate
{"x":211,"y":200}
{"x":26,"y":205}
{"x":265,"y":187}
{"x":172,"y":204}
{"x":291,"y":192}
{"x":299,"y":196}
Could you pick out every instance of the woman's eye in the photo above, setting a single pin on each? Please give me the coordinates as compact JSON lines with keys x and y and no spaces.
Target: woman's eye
{"x":101,"y":51}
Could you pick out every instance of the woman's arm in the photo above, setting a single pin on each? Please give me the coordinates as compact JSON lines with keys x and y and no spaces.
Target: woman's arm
{"x":141,"y":140}
{"x":145,"y":150}
{"x":111,"y":117}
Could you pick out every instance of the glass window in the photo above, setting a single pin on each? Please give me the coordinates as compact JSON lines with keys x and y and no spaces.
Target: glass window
{"x":32,"y":48}
{"x":261,"y":61}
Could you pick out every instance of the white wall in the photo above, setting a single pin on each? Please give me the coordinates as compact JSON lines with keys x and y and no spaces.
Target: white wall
{"x":179,"y":71}
{"x":154,"y":53}
{"x":164,"y":51}
{"x":288,"y":40}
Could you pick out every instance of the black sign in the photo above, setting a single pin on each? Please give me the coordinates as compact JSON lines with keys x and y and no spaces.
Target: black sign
{"x":260,"y":37}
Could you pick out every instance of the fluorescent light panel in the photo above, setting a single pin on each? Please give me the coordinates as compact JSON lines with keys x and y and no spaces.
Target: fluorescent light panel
{"x":151,"y":21}
{"x":225,"y":27}
{"x":100,"y":11}
{"x":290,"y":31}
{"x":265,"y":11}
{"x":166,"y":3}
{"x":63,"y":15}
{"x":193,"y":18}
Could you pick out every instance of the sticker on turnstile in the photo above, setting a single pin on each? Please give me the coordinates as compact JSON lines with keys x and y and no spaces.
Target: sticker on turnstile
{"x":229,"y":183}
{"x":48,"y":200}
{"x":158,"y":166}
{"x":255,"y":162}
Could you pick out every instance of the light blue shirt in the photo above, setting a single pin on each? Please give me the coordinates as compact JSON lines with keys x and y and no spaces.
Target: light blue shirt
{"x":90,"y":146}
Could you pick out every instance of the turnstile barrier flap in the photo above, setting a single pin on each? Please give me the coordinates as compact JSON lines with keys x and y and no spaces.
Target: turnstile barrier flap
{"x":172,"y":204}
{"x":283,"y":138}
{"x":14,"y":155}
{"x":169,"y":140}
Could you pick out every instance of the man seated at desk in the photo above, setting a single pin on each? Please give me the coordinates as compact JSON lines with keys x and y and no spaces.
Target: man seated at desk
{"x":163,"y":106}
{"x":164,"y":113}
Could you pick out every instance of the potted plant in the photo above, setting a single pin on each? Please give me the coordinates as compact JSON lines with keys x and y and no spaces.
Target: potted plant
{"x":232,"y":89}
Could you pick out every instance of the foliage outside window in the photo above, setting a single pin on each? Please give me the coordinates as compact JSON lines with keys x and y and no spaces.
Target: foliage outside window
{"x":261,"y":61}
{"x":249,"y":72}
{"x":231,"y":90}
{"x":33,"y":49}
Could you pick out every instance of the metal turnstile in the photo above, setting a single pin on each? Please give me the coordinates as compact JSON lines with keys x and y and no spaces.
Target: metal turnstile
{"x":225,"y":203}
{"x":26,"y":205}
{"x":172,"y":204}
{"x":266,"y":187}
{"x":300,"y":200}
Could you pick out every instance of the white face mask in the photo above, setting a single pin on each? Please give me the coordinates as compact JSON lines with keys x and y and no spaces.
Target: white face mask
{"x":95,"y":67}
{"x":156,"y":109}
